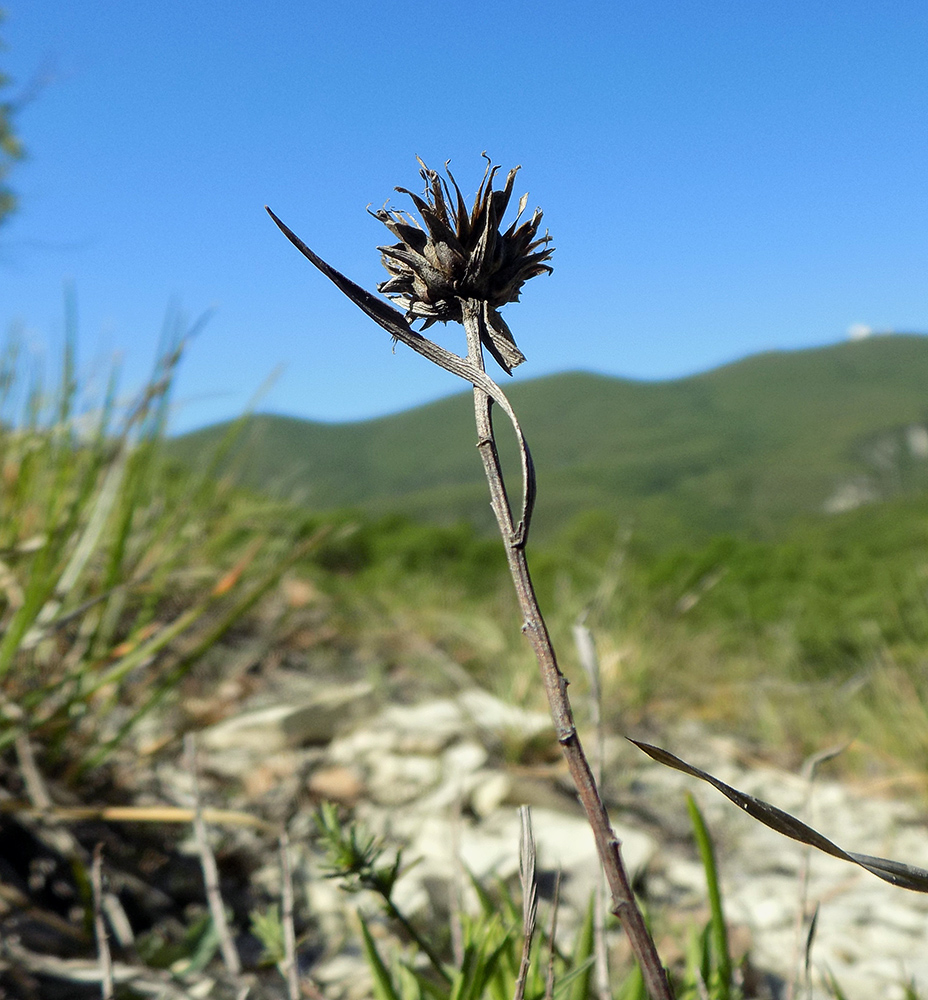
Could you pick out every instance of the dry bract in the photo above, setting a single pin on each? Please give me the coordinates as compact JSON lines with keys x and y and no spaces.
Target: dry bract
{"x":462,"y":255}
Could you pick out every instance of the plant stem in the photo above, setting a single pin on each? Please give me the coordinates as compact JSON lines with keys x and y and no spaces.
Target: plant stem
{"x":395,"y":914}
{"x":514,"y":536}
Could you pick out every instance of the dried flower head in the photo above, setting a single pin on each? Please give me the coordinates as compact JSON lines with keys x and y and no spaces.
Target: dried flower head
{"x":462,"y":255}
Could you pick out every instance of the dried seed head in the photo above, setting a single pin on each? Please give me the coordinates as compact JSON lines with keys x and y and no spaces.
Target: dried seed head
{"x":462,"y":255}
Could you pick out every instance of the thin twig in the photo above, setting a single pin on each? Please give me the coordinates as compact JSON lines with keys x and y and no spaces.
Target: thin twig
{"x":589,"y":660}
{"x":99,"y":925}
{"x":210,"y":870}
{"x":289,"y":965}
{"x":456,"y":886}
{"x":809,"y":770}
{"x":32,"y":777}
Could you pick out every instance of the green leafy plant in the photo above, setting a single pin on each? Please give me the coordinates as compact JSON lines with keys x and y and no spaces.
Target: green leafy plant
{"x":490,"y":963}
{"x":496,"y":938}
{"x":355,"y":857}
{"x":118,"y":571}
{"x":268,"y":929}
{"x":190,"y":949}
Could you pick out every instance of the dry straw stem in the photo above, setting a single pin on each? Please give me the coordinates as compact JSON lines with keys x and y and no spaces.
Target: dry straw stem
{"x":290,"y":970}
{"x":99,"y":925}
{"x":32,"y":777}
{"x":529,"y":883}
{"x":135,"y":814}
{"x":210,"y":870}
{"x":463,"y":267}
{"x":589,"y":660}
{"x":624,"y":905}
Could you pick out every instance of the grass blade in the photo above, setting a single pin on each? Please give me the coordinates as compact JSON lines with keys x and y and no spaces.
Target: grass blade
{"x":719,"y":930}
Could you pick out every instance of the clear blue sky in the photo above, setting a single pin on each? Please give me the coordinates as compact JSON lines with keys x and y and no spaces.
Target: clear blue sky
{"x":719,"y":179}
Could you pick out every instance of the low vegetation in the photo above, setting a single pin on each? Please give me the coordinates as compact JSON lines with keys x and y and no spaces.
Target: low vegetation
{"x":118,"y":571}
{"x":133,"y":587}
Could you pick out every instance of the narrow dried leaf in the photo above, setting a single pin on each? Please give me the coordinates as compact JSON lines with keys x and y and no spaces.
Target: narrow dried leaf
{"x":894,"y":872}
{"x":527,"y":855}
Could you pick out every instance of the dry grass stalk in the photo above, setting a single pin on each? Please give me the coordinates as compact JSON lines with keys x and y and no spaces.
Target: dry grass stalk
{"x":135,"y":814}
{"x":589,"y":661}
{"x":99,"y":925}
{"x":32,"y":777}
{"x":529,"y":883}
{"x":289,"y":965}
{"x":210,"y":871}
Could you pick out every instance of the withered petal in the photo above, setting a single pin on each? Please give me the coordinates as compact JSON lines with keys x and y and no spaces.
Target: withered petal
{"x":462,"y":218}
{"x":500,"y":199}
{"x":437,"y":226}
{"x":445,"y":258}
{"x":431,"y":278}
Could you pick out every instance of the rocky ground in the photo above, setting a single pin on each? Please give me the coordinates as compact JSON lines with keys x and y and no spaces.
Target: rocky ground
{"x":443,"y":777}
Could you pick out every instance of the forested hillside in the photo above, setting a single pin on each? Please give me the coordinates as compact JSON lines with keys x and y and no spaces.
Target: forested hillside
{"x":746,"y":447}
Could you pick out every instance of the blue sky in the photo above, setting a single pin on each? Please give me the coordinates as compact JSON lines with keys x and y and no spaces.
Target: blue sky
{"x":718,"y":178}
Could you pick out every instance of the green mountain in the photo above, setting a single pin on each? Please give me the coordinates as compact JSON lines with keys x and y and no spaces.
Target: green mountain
{"x":745,"y":447}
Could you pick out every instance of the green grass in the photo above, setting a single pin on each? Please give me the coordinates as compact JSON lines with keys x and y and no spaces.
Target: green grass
{"x":817,"y":636}
{"x":119,"y":570}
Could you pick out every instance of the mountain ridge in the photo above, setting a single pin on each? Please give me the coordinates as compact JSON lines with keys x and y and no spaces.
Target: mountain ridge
{"x":745,"y":446}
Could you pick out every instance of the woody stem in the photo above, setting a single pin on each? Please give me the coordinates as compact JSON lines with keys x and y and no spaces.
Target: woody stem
{"x":623,"y":903}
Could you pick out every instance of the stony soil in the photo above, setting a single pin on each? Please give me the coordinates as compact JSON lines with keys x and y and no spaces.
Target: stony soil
{"x":443,"y":777}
